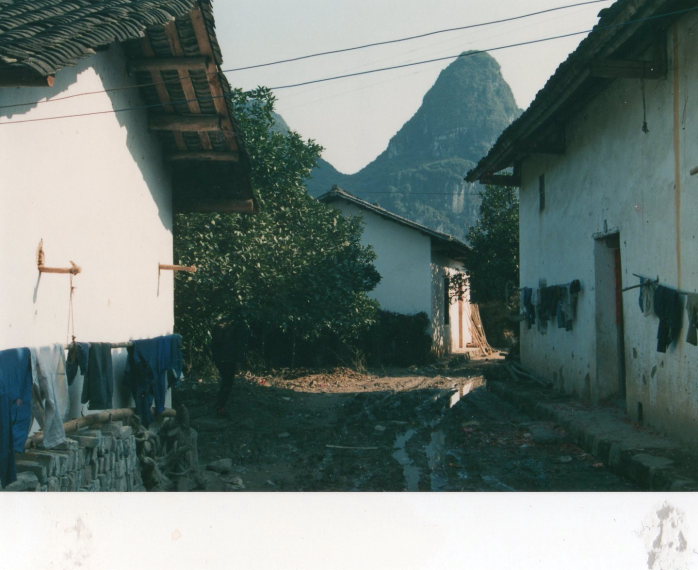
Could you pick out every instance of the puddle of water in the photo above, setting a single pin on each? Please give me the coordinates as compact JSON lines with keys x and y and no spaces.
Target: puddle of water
{"x":410,"y":471}
{"x":435,"y":453}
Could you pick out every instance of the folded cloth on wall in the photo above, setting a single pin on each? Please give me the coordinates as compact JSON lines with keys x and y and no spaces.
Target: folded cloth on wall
{"x":50,"y":400}
{"x":98,"y":386}
{"x":567,"y":309}
{"x":150,"y":361}
{"x":646,"y":299}
{"x":669,"y":308}
{"x":15,"y":408}
{"x":692,"y":310}
{"x":78,"y":355}
{"x":550,"y":298}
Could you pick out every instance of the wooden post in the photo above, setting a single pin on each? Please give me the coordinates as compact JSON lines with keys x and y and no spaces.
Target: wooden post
{"x":188,"y":268}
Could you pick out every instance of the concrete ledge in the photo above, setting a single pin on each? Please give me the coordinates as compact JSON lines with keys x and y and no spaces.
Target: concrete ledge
{"x":649,"y":460}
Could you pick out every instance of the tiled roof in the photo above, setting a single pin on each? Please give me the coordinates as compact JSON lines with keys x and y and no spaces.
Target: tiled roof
{"x":48,"y":35}
{"x":625,"y":30}
{"x":173,"y":55}
{"x":444,"y":242}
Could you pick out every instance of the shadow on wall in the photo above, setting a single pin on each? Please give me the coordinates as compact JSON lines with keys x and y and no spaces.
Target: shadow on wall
{"x":110,"y":66}
{"x":144,"y":146}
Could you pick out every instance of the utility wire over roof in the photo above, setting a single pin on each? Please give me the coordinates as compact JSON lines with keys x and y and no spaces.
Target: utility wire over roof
{"x":613,"y":49}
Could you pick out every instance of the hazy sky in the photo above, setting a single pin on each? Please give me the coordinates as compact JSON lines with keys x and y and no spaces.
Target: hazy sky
{"x":354,"y":118}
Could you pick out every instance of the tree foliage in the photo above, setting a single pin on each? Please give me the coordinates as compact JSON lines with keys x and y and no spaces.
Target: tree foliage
{"x":494,"y":266}
{"x":296,"y":270}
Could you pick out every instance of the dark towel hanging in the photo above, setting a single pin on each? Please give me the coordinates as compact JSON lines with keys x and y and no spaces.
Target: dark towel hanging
{"x":668,"y":307}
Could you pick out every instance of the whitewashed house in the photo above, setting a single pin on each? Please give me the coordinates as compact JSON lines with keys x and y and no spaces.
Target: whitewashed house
{"x":607,"y":161}
{"x":415,"y":264}
{"x":113,"y":117}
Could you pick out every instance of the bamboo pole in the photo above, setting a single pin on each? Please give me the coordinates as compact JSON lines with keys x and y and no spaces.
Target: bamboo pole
{"x":104,"y":417}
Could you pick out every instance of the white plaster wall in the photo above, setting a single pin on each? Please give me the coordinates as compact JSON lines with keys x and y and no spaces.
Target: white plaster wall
{"x":614,"y":176}
{"x":403,"y":259}
{"x":94,"y":188}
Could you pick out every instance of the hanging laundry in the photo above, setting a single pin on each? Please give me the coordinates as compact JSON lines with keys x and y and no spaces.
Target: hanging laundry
{"x":528,"y":310}
{"x":692,"y":310}
{"x":15,"y":408}
{"x":150,"y":362}
{"x":99,"y":382}
{"x":550,"y":298}
{"x":50,"y":400}
{"x":78,"y":355}
{"x":669,"y":309}
{"x":646,"y":300}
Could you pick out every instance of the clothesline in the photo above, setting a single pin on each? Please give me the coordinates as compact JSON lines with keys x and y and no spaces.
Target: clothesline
{"x":113,"y":344}
{"x":656,"y":282}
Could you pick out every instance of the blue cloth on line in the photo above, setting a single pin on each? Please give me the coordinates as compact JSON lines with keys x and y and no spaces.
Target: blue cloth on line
{"x":150,"y":361}
{"x":15,"y":408}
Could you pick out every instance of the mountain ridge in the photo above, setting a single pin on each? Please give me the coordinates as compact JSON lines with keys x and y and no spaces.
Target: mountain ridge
{"x":420,"y":173}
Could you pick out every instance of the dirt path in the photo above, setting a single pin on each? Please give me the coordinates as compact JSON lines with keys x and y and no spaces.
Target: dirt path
{"x":434,"y":429}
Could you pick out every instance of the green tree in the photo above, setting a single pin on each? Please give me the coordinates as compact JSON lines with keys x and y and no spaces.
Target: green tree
{"x":494,"y":265}
{"x":296,"y":270}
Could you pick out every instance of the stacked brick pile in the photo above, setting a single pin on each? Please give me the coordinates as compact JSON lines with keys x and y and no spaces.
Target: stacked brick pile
{"x":102,"y":459}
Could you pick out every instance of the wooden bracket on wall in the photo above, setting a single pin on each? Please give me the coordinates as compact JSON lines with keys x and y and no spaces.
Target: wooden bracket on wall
{"x":40,"y":263}
{"x":188,"y":268}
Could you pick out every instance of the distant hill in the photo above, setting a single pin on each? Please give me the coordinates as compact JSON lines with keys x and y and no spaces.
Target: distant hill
{"x":420,"y":173}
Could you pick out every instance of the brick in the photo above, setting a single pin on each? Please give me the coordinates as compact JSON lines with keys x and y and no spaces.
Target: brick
{"x":67,"y":445}
{"x":47,"y":459}
{"x":89,"y":474}
{"x":88,"y":441}
{"x":34,"y":467}
{"x":26,"y":481}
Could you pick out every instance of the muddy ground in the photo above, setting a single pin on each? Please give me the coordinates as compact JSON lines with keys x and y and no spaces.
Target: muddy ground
{"x":430,"y":429}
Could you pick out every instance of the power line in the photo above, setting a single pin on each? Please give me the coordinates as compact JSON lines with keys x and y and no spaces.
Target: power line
{"x":415,"y":37}
{"x":424,"y":61}
{"x":476,"y":52}
{"x":176,"y":80}
{"x":529,"y":42}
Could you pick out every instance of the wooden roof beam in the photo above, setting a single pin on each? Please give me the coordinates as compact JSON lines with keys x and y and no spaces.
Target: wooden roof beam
{"x":222,"y":205}
{"x":23,"y":77}
{"x":185,"y":123}
{"x":656,"y":68}
{"x":628,"y":69}
{"x":205,"y":156}
{"x":503,"y":179}
{"x":196,"y":63}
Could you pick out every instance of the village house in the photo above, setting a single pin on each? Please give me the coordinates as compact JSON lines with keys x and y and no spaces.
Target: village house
{"x":416,"y":265}
{"x":114,"y":116}
{"x":606,"y":158}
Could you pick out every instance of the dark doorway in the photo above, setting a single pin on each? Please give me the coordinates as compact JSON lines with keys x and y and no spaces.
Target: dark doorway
{"x":610,"y":343}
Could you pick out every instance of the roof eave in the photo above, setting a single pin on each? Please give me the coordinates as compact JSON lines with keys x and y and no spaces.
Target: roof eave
{"x":574,"y":84}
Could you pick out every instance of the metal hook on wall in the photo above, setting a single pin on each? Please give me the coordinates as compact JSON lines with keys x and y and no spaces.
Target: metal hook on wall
{"x":74,"y":269}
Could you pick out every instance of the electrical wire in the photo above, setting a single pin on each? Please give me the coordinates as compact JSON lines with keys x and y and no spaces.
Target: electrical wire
{"x":415,"y":37}
{"x":176,"y":80}
{"x":425,"y":61}
{"x":412,"y":64}
{"x":476,"y":52}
